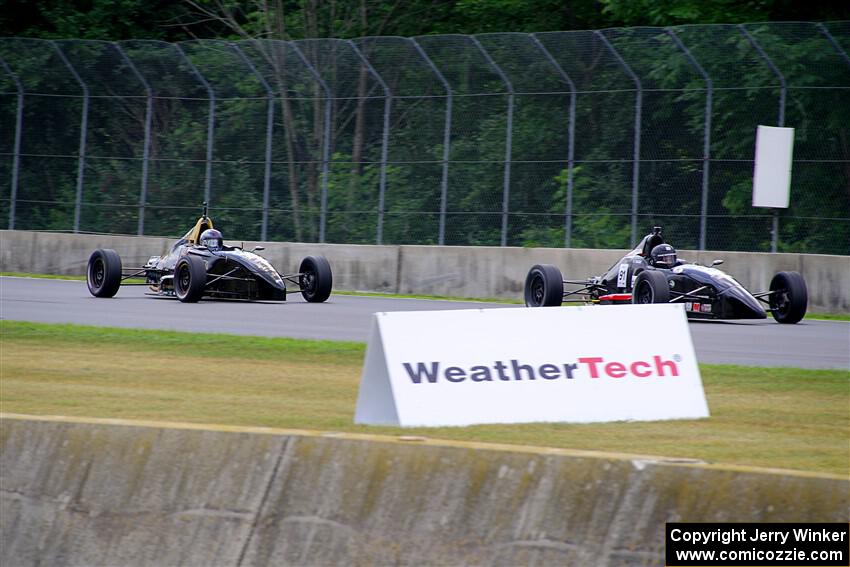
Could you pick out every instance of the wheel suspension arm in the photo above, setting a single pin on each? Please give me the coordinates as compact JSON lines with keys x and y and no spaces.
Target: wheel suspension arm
{"x":764,"y":293}
{"x":292,"y":278}
{"x":133,"y":274}
{"x":227,"y":276}
{"x":689,"y":294}
{"x":586,"y":291}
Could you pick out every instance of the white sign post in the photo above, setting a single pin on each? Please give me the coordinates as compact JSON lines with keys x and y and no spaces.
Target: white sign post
{"x":772,"y":173}
{"x":514,"y":365}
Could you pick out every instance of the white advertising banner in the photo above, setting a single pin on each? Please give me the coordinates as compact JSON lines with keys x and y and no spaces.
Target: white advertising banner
{"x":514,"y":365}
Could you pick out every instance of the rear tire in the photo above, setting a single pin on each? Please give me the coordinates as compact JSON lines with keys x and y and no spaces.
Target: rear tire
{"x":316,"y":279}
{"x":544,"y":286}
{"x":190,"y":277}
{"x":650,"y":287}
{"x":790,"y":299}
{"x":103,"y":272}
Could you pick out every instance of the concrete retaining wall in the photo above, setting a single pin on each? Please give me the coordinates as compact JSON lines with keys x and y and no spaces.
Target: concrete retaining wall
{"x":103,"y":492}
{"x":453,"y":271}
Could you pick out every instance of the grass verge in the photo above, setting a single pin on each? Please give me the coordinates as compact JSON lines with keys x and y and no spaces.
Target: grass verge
{"x":785,"y":418}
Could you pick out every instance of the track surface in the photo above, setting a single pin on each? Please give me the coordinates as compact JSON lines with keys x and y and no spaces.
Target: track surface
{"x":809,"y":344}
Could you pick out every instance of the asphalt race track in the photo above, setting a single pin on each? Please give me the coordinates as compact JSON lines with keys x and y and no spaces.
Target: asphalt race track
{"x":808,"y":344}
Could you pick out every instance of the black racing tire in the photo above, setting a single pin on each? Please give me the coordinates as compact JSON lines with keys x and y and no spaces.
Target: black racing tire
{"x":103,"y":273}
{"x":650,"y":287}
{"x":789,"y":298}
{"x":190,"y":278}
{"x":316,"y":279}
{"x":544,"y":286}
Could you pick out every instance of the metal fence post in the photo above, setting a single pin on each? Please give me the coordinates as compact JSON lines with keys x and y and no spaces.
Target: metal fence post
{"x":834,"y":43}
{"x":783,"y":87}
{"x":571,"y":136}
{"x":706,"y":148}
{"x":326,"y":146}
{"x":447,"y":129}
{"x":81,"y":163}
{"x":774,"y":237}
{"x":638,"y":112}
{"x":385,"y":139}
{"x":16,"y":152}
{"x":146,"y":148}
{"x":506,"y":191}
{"x":267,"y":173}
{"x":210,"y":122}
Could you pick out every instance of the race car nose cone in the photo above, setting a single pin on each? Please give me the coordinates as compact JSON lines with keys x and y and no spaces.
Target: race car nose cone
{"x":743,"y":305}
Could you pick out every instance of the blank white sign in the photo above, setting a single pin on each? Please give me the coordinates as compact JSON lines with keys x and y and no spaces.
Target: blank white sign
{"x":772,"y":176}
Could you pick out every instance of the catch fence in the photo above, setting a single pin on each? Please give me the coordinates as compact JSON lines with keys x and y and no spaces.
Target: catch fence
{"x":577,"y":139}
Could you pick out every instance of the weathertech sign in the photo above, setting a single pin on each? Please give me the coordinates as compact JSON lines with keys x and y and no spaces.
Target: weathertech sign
{"x":512,"y":370}
{"x":517,"y":365}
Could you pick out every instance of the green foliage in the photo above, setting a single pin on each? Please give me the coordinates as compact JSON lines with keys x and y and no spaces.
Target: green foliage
{"x":483,"y":16}
{"x":92,"y":19}
{"x":293,"y":19}
{"x":669,"y":12}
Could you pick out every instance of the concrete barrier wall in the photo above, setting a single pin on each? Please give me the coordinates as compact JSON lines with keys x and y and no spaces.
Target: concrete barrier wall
{"x":453,"y":271}
{"x":103,"y":492}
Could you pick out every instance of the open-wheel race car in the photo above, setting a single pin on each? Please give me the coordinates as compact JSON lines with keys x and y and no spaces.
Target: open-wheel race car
{"x":652,"y":273}
{"x":200,"y":265}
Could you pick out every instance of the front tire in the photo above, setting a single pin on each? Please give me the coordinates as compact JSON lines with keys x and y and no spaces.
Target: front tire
{"x":789,"y":298}
{"x":190,"y":277}
{"x":544,"y":286}
{"x":316,"y":279}
{"x":650,"y":287}
{"x":103,"y":273}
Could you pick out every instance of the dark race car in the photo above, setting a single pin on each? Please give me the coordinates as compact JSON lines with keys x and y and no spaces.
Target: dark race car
{"x":652,"y":273}
{"x":200,"y":265}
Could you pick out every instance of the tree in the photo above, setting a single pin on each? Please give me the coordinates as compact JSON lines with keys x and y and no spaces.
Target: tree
{"x":93,"y":19}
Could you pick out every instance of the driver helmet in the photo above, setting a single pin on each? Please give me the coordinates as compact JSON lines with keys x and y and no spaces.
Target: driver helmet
{"x":663,"y":256}
{"x":211,"y":238}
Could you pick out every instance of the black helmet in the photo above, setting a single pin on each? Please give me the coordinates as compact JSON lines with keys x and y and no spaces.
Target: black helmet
{"x":663,"y":256}
{"x":211,"y":238}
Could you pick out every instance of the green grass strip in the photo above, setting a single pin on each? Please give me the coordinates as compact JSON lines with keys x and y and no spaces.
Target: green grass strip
{"x":215,"y":345}
{"x":768,"y":417}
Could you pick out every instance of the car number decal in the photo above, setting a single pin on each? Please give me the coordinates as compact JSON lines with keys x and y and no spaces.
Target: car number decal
{"x":621,"y":275}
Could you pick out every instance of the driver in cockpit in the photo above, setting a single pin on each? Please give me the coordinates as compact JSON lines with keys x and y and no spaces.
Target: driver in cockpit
{"x":663,"y":256}
{"x":212,"y":239}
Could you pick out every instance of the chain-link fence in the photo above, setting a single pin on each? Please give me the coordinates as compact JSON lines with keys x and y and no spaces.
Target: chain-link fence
{"x":577,"y":139}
